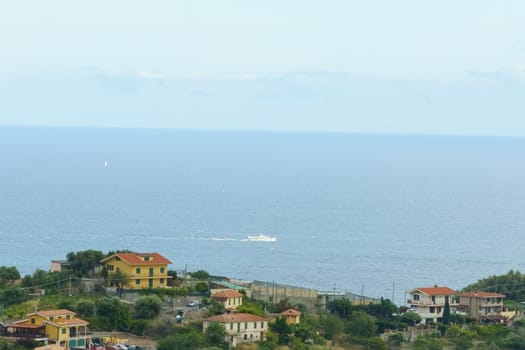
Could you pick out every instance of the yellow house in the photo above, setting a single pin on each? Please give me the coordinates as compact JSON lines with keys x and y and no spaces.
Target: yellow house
{"x":144,"y":270}
{"x":292,"y":316}
{"x":230,"y":298}
{"x":60,"y":327}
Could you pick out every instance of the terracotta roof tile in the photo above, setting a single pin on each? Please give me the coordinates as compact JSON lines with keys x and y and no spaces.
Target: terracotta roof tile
{"x":230,"y":318}
{"x":482,"y":295}
{"x":291,"y":312}
{"x":49,"y":313}
{"x":224,"y":294}
{"x":138,"y":258}
{"x":436,"y":291}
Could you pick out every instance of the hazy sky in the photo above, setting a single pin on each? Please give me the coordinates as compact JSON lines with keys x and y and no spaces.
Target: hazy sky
{"x":361,"y":66}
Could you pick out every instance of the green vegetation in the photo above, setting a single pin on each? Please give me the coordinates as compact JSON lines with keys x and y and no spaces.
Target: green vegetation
{"x":342,"y":324}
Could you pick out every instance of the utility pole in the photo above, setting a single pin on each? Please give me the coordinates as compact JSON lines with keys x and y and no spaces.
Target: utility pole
{"x":393,"y":290}
{"x":69,"y":286}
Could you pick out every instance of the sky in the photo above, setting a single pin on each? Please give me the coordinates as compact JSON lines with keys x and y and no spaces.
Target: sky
{"x":406,"y":66}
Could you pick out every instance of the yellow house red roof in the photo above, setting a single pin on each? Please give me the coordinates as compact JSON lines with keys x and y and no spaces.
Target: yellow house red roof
{"x":140,"y":258}
{"x":224,"y":294}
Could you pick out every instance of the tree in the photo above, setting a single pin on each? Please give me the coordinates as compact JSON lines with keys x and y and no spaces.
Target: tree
{"x":341,"y":307}
{"x":377,"y":343}
{"x":148,"y":307}
{"x":118,"y":278}
{"x":12,"y":295}
{"x":113,"y":313}
{"x":8,"y":274}
{"x":446,"y":311}
{"x":282,"y":329}
{"x":186,"y":339}
{"x":215,"y":334}
{"x":411,"y":318}
{"x":200,"y":275}
{"x":361,"y":324}
{"x":332,"y":326}
{"x":83,"y":263}
{"x":201,"y":287}
{"x":85,"y":308}
{"x":216,"y":308}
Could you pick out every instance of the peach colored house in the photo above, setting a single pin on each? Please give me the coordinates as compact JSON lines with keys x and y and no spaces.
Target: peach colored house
{"x":481,"y":304}
{"x":231,"y":299}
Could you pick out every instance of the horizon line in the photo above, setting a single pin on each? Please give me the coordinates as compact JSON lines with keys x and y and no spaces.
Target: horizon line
{"x":265,"y":131}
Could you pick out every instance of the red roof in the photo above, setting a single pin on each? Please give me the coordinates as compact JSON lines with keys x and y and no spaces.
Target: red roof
{"x":224,"y":294}
{"x":53,"y":313}
{"x":482,"y":295}
{"x":230,"y":318}
{"x":291,"y":312}
{"x":138,"y":258}
{"x":436,"y":291}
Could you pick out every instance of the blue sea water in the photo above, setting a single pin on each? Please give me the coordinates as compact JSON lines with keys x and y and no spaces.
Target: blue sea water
{"x":375,"y":212}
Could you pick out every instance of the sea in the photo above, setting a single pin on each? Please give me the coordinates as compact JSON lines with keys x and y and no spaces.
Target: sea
{"x":369,"y":214}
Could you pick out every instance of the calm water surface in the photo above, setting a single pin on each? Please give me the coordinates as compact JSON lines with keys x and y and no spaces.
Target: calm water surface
{"x":348,"y":211}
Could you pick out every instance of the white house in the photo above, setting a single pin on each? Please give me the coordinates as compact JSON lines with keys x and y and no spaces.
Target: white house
{"x":240,"y":328}
{"x":429,"y":302}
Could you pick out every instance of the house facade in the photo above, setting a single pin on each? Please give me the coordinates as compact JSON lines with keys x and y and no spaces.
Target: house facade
{"x":231,"y":299}
{"x":292,"y":316}
{"x":429,"y":302}
{"x":60,"y":327}
{"x":240,"y":327}
{"x":144,"y":270}
{"x":481,"y":304}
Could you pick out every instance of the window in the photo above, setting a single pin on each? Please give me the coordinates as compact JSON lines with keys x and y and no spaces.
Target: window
{"x":137,"y":281}
{"x":68,"y":317}
{"x":63,"y":331}
{"x":245,"y":325}
{"x":161,"y":270}
{"x":432,"y":310}
{"x":110,"y":267}
{"x":245,"y":336}
{"x":33,"y":320}
{"x":416,"y":296}
{"x":231,"y":326}
{"x":262,"y":324}
{"x":146,"y":258}
{"x":118,"y":258}
{"x":137,"y":270}
{"x":162,"y":280}
{"x":255,"y":325}
{"x":118,"y":269}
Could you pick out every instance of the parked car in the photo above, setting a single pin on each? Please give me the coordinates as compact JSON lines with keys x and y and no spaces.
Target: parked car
{"x":193,"y":303}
